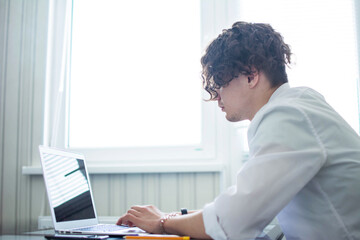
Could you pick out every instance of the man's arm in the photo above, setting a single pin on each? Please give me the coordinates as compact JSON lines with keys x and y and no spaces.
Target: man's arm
{"x":148,"y":218}
{"x":190,"y":225}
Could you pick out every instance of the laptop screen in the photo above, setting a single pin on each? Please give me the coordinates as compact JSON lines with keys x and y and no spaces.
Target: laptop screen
{"x":68,"y":187}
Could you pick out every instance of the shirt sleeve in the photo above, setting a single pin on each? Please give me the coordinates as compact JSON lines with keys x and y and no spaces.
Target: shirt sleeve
{"x":285,"y":154}
{"x":213,"y":228}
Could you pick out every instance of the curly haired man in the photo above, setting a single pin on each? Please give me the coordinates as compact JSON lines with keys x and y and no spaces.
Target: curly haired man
{"x":304,"y":161}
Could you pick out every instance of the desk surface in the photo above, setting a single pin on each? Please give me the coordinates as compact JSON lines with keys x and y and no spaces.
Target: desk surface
{"x":21,"y":237}
{"x":33,"y":237}
{"x":271,"y":232}
{"x":37,"y":235}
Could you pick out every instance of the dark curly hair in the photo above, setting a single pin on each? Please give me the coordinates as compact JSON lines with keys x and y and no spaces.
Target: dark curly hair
{"x":242,"y":49}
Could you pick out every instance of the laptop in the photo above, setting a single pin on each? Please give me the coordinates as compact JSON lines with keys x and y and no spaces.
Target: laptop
{"x":70,"y":195}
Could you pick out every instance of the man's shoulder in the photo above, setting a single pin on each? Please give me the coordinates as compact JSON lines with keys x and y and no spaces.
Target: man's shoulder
{"x":292,"y":107}
{"x":292,"y":100}
{"x":296,"y":100}
{"x":296,"y":94}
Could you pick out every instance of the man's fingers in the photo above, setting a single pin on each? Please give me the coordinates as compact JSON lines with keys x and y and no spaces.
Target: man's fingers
{"x":134,"y":212}
{"x":128,"y":219}
{"x":135,"y":221}
{"x":120,"y":221}
{"x":145,"y":209}
{"x":138,"y":208}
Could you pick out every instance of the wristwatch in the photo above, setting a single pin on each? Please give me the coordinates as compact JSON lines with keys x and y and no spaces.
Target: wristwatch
{"x":183,"y":211}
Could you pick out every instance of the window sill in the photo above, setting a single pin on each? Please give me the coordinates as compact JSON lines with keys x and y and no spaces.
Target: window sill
{"x":141,"y":168}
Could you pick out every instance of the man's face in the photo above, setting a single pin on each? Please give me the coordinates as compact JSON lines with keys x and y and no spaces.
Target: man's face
{"x":234,"y":99}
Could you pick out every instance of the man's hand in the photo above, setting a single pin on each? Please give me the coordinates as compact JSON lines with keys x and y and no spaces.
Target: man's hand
{"x":145,"y":217}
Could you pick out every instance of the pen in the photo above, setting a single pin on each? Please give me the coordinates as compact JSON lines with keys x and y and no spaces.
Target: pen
{"x":159,"y":237}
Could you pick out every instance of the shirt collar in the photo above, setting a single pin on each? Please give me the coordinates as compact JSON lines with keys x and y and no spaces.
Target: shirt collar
{"x":280,"y":90}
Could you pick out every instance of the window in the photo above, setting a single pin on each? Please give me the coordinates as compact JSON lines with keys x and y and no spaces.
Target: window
{"x":135,"y":74}
{"x":132,"y":87}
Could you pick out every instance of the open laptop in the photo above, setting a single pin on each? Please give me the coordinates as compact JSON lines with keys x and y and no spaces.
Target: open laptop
{"x":70,"y":195}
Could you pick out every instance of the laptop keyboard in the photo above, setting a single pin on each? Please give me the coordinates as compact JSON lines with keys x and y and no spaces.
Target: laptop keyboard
{"x":102,"y":228}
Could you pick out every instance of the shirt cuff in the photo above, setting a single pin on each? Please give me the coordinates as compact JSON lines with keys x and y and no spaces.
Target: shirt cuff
{"x":212,"y":226}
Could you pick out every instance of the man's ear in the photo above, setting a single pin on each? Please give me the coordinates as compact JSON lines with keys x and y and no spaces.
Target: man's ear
{"x":253,"y":79}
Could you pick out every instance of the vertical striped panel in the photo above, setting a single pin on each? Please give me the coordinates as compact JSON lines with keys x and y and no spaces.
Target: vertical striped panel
{"x":151,"y":191}
{"x":187,"y":192}
{"x":168,"y":192}
{"x":100,"y":187}
{"x":117,"y":195}
{"x":134,"y":190}
{"x":11,"y":118}
{"x":4,"y":5}
{"x":22,"y":54}
{"x":38,"y":201}
{"x":204,"y":187}
{"x":196,"y":189}
{"x":38,"y":75}
{"x":25,"y":111}
{"x":218,"y":186}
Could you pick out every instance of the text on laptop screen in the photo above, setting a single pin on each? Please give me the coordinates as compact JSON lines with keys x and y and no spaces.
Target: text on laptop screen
{"x":68,"y":187}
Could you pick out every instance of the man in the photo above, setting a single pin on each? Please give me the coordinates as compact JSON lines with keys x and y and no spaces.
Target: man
{"x":304,"y":163}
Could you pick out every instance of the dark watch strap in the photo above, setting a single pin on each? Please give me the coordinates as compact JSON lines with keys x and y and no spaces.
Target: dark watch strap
{"x":183,"y":211}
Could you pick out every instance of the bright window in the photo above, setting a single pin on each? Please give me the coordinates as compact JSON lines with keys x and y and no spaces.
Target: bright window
{"x":135,"y":74}
{"x":124,"y":83}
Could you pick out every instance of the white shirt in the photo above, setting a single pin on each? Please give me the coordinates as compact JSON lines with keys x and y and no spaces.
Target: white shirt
{"x":304,"y":168}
